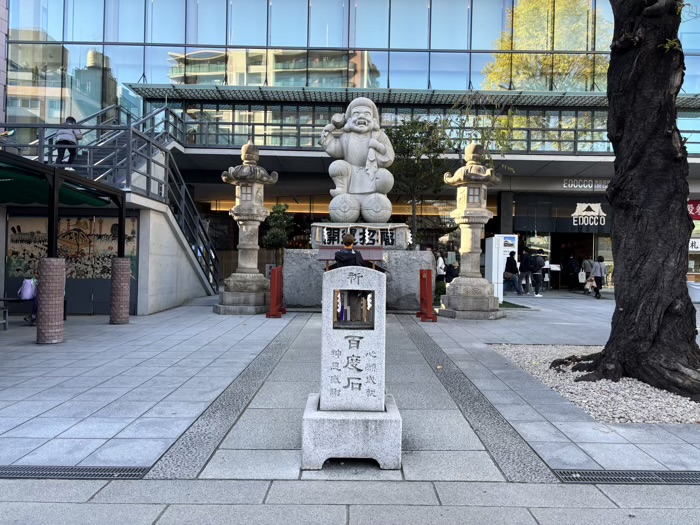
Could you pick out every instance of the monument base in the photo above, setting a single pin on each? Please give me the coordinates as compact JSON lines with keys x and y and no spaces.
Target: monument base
{"x":246,"y":294}
{"x":350,"y":434}
{"x":470,"y":298}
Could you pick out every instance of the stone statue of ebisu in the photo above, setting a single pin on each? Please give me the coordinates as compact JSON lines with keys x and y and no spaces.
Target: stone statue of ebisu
{"x":361,"y":178}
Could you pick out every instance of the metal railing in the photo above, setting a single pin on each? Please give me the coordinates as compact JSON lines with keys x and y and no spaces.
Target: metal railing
{"x":130,"y":154}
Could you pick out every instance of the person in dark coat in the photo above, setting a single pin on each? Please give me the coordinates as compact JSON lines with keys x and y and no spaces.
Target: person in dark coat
{"x":511,"y":273}
{"x":525,"y":270}
{"x":348,"y":256}
{"x":451,"y":272}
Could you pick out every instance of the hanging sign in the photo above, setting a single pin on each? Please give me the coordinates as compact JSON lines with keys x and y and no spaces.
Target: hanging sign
{"x":589,"y":214}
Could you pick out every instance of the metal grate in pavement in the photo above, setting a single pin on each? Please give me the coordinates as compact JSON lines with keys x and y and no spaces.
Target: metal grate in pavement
{"x":634,"y":477}
{"x":38,"y":472}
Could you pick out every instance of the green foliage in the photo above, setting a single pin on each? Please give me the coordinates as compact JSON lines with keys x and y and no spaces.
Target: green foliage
{"x":671,"y":43}
{"x":281,"y":226}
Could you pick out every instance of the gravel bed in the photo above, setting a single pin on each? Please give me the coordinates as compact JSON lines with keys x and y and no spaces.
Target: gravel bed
{"x":627,"y":401}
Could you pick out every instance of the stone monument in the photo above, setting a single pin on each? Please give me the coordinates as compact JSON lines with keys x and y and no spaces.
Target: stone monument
{"x":352,"y":417}
{"x":247,"y":291}
{"x":470,"y":296}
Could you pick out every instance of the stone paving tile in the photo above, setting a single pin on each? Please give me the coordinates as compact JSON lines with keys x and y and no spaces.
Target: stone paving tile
{"x":97,"y":427}
{"x":503,"y":397}
{"x":18,"y":393}
{"x":61,"y":452}
{"x":294,"y":372}
{"x":253,"y":464}
{"x":450,"y":466}
{"x":562,"y":412}
{"x":660,"y":496}
{"x":688,"y":433}
{"x":430,"y":396}
{"x":76,"y":409}
{"x":644,"y":433}
{"x":674,"y":456}
{"x":617,"y":456}
{"x":42,"y":427}
{"x":616,"y":516}
{"x":400,"y":515}
{"x":280,"y":394}
{"x":351,"y":493}
{"x":254,"y":514}
{"x":351,"y":470}
{"x":582,"y":432}
{"x":438,"y":430}
{"x":8,"y":423}
{"x":12,"y":449}
{"x":46,"y":490}
{"x":27,"y":408}
{"x":539,"y":431}
{"x":157,"y":427}
{"x":175,"y":409}
{"x":564,"y":456}
{"x":128,"y":452}
{"x":125,"y":409}
{"x":266,"y":429}
{"x":521,"y":495}
{"x":184,"y":491}
{"x":411,"y":373}
{"x":78,"y":514}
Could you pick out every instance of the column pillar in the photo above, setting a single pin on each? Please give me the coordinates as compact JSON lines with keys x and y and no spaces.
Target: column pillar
{"x":52,"y":287}
{"x":121,"y":291}
{"x":505,"y":212}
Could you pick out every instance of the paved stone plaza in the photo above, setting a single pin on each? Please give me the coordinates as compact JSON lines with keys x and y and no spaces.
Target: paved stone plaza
{"x":211,"y":408}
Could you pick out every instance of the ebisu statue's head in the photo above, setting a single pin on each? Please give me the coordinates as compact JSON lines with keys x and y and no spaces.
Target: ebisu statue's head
{"x":362,"y":116}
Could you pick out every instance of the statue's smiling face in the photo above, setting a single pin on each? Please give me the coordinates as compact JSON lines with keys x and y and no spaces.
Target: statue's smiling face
{"x":361,"y":119}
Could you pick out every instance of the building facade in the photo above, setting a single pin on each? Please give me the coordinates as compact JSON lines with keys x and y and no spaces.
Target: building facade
{"x":277,"y":70}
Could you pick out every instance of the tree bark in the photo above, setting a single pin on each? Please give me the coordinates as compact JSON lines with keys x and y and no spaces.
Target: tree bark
{"x":653,"y":327}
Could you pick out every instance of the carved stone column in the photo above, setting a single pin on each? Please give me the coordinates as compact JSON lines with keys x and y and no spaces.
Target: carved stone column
{"x":470,"y":296}
{"x":52,"y":286}
{"x":246,"y":290}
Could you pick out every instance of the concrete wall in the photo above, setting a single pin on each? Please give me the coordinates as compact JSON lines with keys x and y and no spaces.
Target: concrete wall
{"x":3,"y":248}
{"x":169,"y":274}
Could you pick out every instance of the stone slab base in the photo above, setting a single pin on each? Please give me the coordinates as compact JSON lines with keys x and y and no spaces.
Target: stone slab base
{"x":244,"y":298}
{"x":239,"y":310}
{"x":350,"y":434}
{"x":472,"y":314}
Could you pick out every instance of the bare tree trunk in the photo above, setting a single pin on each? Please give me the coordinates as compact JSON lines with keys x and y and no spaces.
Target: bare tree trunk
{"x":653,"y":327}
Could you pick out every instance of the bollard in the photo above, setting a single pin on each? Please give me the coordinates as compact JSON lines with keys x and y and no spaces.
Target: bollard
{"x":276,"y":308}
{"x":52,"y":286}
{"x":426,"y":297}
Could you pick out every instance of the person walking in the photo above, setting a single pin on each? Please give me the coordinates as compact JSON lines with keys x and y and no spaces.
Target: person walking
{"x":511,"y":273}
{"x":587,"y":267}
{"x":67,"y":140}
{"x":451,"y":272}
{"x":525,"y":271}
{"x":439,"y":267}
{"x":536,"y":265}
{"x":571,"y":268}
{"x":599,"y":272}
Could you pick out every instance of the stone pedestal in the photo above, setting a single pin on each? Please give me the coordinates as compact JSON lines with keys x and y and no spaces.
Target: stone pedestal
{"x":387,"y":235}
{"x":52,"y":286}
{"x":352,"y":417}
{"x":470,"y":298}
{"x":121,"y":288}
{"x":245,"y":294}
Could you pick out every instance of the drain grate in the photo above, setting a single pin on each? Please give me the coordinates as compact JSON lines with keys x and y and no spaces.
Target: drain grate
{"x":17,"y":471}
{"x":635,"y":477}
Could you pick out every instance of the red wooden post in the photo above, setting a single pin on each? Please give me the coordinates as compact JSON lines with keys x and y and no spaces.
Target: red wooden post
{"x":426,"y":297}
{"x":276,"y":308}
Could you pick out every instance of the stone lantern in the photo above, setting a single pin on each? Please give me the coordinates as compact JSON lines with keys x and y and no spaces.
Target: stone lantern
{"x":247,"y":291}
{"x":470,"y":296}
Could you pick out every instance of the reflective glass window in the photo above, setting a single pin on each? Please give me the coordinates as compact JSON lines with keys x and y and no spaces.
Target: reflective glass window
{"x":491,"y":24}
{"x":328,"y":68}
{"x":689,"y":32}
{"x":328,"y":23}
{"x":205,"y":66}
{"x":532,"y":72}
{"x":286,"y":67}
{"x":288,"y":22}
{"x":490,"y":71}
{"x":246,"y":67}
{"x":449,"y":71}
{"x":605,"y":25}
{"x":165,"y":65}
{"x":165,"y":21}
{"x":368,"y":69}
{"x":84,"y":21}
{"x":409,"y":24}
{"x":247,"y":22}
{"x":691,"y":83}
{"x":450,"y":24}
{"x":206,"y":22}
{"x":124,"y":64}
{"x":573,"y":73}
{"x":124,"y":20}
{"x":573,"y":26}
{"x":36,"y":20}
{"x":83,"y":81}
{"x":601,"y":62}
{"x":532,"y":25}
{"x":408,"y":70}
{"x":369,"y":23}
